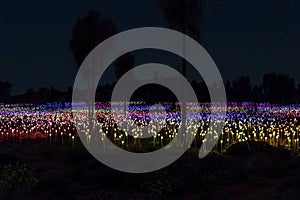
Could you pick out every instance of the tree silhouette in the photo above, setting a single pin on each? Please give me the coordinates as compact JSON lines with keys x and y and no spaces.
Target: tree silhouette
{"x":5,"y":91}
{"x":185,"y":16}
{"x":242,"y":89}
{"x":123,"y":64}
{"x":229,"y":90}
{"x":88,"y":32}
{"x":257,"y":95}
{"x":278,"y":88}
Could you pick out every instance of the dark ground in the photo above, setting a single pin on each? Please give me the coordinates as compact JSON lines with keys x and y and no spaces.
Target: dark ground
{"x":52,"y":171}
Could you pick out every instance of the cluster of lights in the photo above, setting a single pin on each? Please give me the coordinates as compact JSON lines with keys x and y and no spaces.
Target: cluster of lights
{"x":276,"y":125}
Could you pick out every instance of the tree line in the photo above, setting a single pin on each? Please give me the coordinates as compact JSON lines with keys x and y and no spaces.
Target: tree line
{"x":275,"y":88}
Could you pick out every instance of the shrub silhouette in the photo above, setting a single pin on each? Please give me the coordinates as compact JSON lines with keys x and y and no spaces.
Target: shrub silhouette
{"x":16,"y":178}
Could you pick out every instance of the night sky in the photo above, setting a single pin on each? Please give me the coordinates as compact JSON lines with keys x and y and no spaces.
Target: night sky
{"x":243,"y":37}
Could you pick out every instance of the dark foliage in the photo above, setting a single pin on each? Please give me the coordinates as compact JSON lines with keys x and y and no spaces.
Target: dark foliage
{"x":66,"y":172}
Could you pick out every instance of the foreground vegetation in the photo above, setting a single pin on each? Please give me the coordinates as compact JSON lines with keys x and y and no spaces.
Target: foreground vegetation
{"x":245,"y":171}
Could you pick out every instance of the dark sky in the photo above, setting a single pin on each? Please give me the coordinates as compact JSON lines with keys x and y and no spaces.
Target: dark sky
{"x":243,"y":37}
